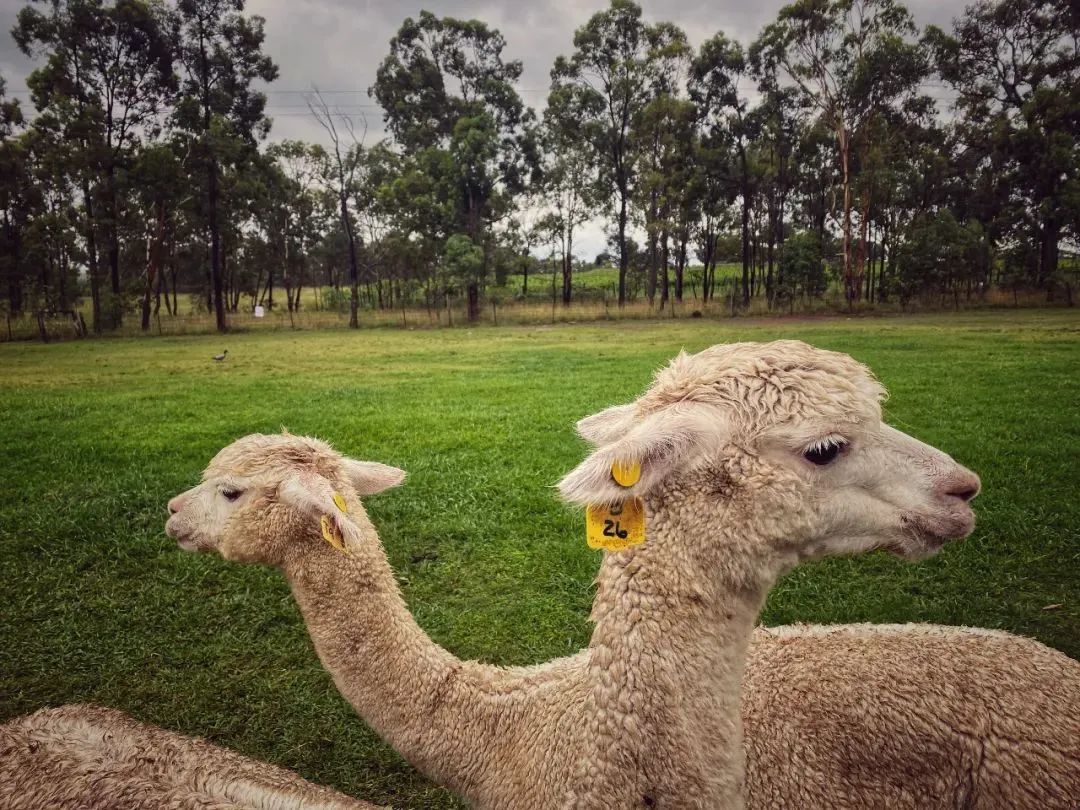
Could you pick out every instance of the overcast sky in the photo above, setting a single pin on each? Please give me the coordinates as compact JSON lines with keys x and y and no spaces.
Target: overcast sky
{"x":337,"y":46}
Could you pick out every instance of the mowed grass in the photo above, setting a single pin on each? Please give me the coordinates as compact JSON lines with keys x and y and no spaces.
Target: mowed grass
{"x":98,"y":605}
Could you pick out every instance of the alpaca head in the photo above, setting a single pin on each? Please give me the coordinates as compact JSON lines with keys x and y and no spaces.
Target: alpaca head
{"x":783,"y":443}
{"x":264,"y":496}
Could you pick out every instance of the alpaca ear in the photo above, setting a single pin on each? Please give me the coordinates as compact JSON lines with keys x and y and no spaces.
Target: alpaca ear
{"x":310,"y":493}
{"x":658,"y":445}
{"x":608,"y":425}
{"x":370,"y":477}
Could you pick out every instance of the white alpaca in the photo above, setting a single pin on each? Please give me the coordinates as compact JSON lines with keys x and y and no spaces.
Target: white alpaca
{"x":90,"y":758}
{"x":752,"y":458}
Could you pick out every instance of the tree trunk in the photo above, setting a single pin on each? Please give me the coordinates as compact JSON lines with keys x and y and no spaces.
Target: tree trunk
{"x":1048,"y":251}
{"x":474,"y":301}
{"x":112,"y":233}
{"x":665,"y":290}
{"x":153,"y":265}
{"x":680,"y":265}
{"x":92,"y":257}
{"x":567,"y":274}
{"x":624,"y":259}
{"x":354,"y":271}
{"x":745,"y":227}
{"x":845,"y":250}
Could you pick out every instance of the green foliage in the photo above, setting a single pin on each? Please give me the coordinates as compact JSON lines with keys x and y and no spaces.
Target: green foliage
{"x":463,"y":261}
{"x":1014,"y":66}
{"x":476,"y":147}
{"x":937,"y":253}
{"x":100,"y":606}
{"x":802,"y":266}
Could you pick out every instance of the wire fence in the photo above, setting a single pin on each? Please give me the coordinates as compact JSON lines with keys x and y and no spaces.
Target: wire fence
{"x":453,"y":313}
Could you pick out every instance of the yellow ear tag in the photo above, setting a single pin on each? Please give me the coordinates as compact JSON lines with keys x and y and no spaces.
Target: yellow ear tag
{"x":614,"y":528}
{"x":339,"y":502}
{"x":331,"y":534}
{"x":626,"y":474}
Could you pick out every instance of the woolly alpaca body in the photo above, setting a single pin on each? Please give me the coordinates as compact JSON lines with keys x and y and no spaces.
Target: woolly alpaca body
{"x":648,"y":716}
{"x":910,"y":716}
{"x":91,"y":758}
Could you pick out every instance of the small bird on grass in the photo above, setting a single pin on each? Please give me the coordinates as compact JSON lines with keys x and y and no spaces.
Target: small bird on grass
{"x":220,"y":357}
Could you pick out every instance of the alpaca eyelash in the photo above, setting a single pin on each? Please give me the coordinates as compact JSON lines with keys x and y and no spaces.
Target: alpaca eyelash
{"x":826,"y":443}
{"x":825,"y":450}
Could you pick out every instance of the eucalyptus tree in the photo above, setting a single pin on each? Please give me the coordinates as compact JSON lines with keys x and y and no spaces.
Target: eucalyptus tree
{"x":717,"y":71}
{"x":571,"y":187}
{"x":338,"y":171}
{"x":446,"y":86}
{"x":16,"y":204}
{"x":609,"y":71}
{"x":1015,"y":65}
{"x":662,"y":134}
{"x":108,"y":74}
{"x":161,"y":193}
{"x":298,"y":163}
{"x":851,"y":59}
{"x":219,"y":50}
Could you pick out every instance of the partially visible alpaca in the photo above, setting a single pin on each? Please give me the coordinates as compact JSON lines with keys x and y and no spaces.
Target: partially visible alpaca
{"x":912,"y":716}
{"x":85,"y":757}
{"x":752,"y":458}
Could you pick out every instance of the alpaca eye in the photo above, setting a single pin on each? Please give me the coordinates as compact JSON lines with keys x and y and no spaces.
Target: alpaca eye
{"x":824,"y":452}
{"x":232,"y":494}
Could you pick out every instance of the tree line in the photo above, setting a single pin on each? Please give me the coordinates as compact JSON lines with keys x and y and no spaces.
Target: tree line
{"x":819,"y":153}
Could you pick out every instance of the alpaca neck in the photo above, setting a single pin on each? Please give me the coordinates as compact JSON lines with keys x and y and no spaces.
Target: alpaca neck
{"x":666,"y":663}
{"x":404,"y":685}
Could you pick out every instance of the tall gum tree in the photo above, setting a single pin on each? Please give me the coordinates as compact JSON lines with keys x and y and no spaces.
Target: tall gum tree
{"x":445,"y":86}
{"x":220,"y":54}
{"x":1016,"y":67}
{"x":851,"y":58}
{"x":609,"y":69}
{"x":108,"y":72}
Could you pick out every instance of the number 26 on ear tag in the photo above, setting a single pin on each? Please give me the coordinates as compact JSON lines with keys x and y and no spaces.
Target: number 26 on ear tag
{"x":614,"y":528}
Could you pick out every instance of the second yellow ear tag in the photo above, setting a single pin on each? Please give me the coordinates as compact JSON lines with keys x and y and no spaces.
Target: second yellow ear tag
{"x":339,"y":501}
{"x":614,"y":528}
{"x":626,"y":473}
{"x":331,"y":534}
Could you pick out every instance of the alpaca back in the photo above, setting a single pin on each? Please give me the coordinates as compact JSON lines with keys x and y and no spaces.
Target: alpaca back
{"x":910,"y":716}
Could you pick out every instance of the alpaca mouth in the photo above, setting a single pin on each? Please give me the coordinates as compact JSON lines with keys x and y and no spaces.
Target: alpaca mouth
{"x":188,"y":544}
{"x":926,"y":535}
{"x":188,"y":541}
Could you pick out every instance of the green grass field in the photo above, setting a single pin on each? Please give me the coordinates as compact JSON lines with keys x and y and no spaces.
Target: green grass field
{"x":98,"y":605}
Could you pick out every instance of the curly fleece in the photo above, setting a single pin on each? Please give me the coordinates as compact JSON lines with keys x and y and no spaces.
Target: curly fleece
{"x":84,"y":757}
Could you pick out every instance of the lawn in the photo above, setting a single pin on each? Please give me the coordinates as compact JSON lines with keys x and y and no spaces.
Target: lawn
{"x":98,"y":605}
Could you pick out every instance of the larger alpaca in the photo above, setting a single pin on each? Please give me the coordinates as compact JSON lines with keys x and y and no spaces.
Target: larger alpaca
{"x":752,"y":459}
{"x":90,"y":758}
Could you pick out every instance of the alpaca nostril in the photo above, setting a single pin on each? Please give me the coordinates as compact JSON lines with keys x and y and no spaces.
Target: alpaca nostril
{"x":175,"y":505}
{"x":964,"y":494}
{"x":965,"y":486}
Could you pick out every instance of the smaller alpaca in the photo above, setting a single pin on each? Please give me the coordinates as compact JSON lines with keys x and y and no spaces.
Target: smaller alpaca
{"x":84,"y":757}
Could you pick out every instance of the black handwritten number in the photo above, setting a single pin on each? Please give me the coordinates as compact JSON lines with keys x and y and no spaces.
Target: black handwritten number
{"x":612,"y":529}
